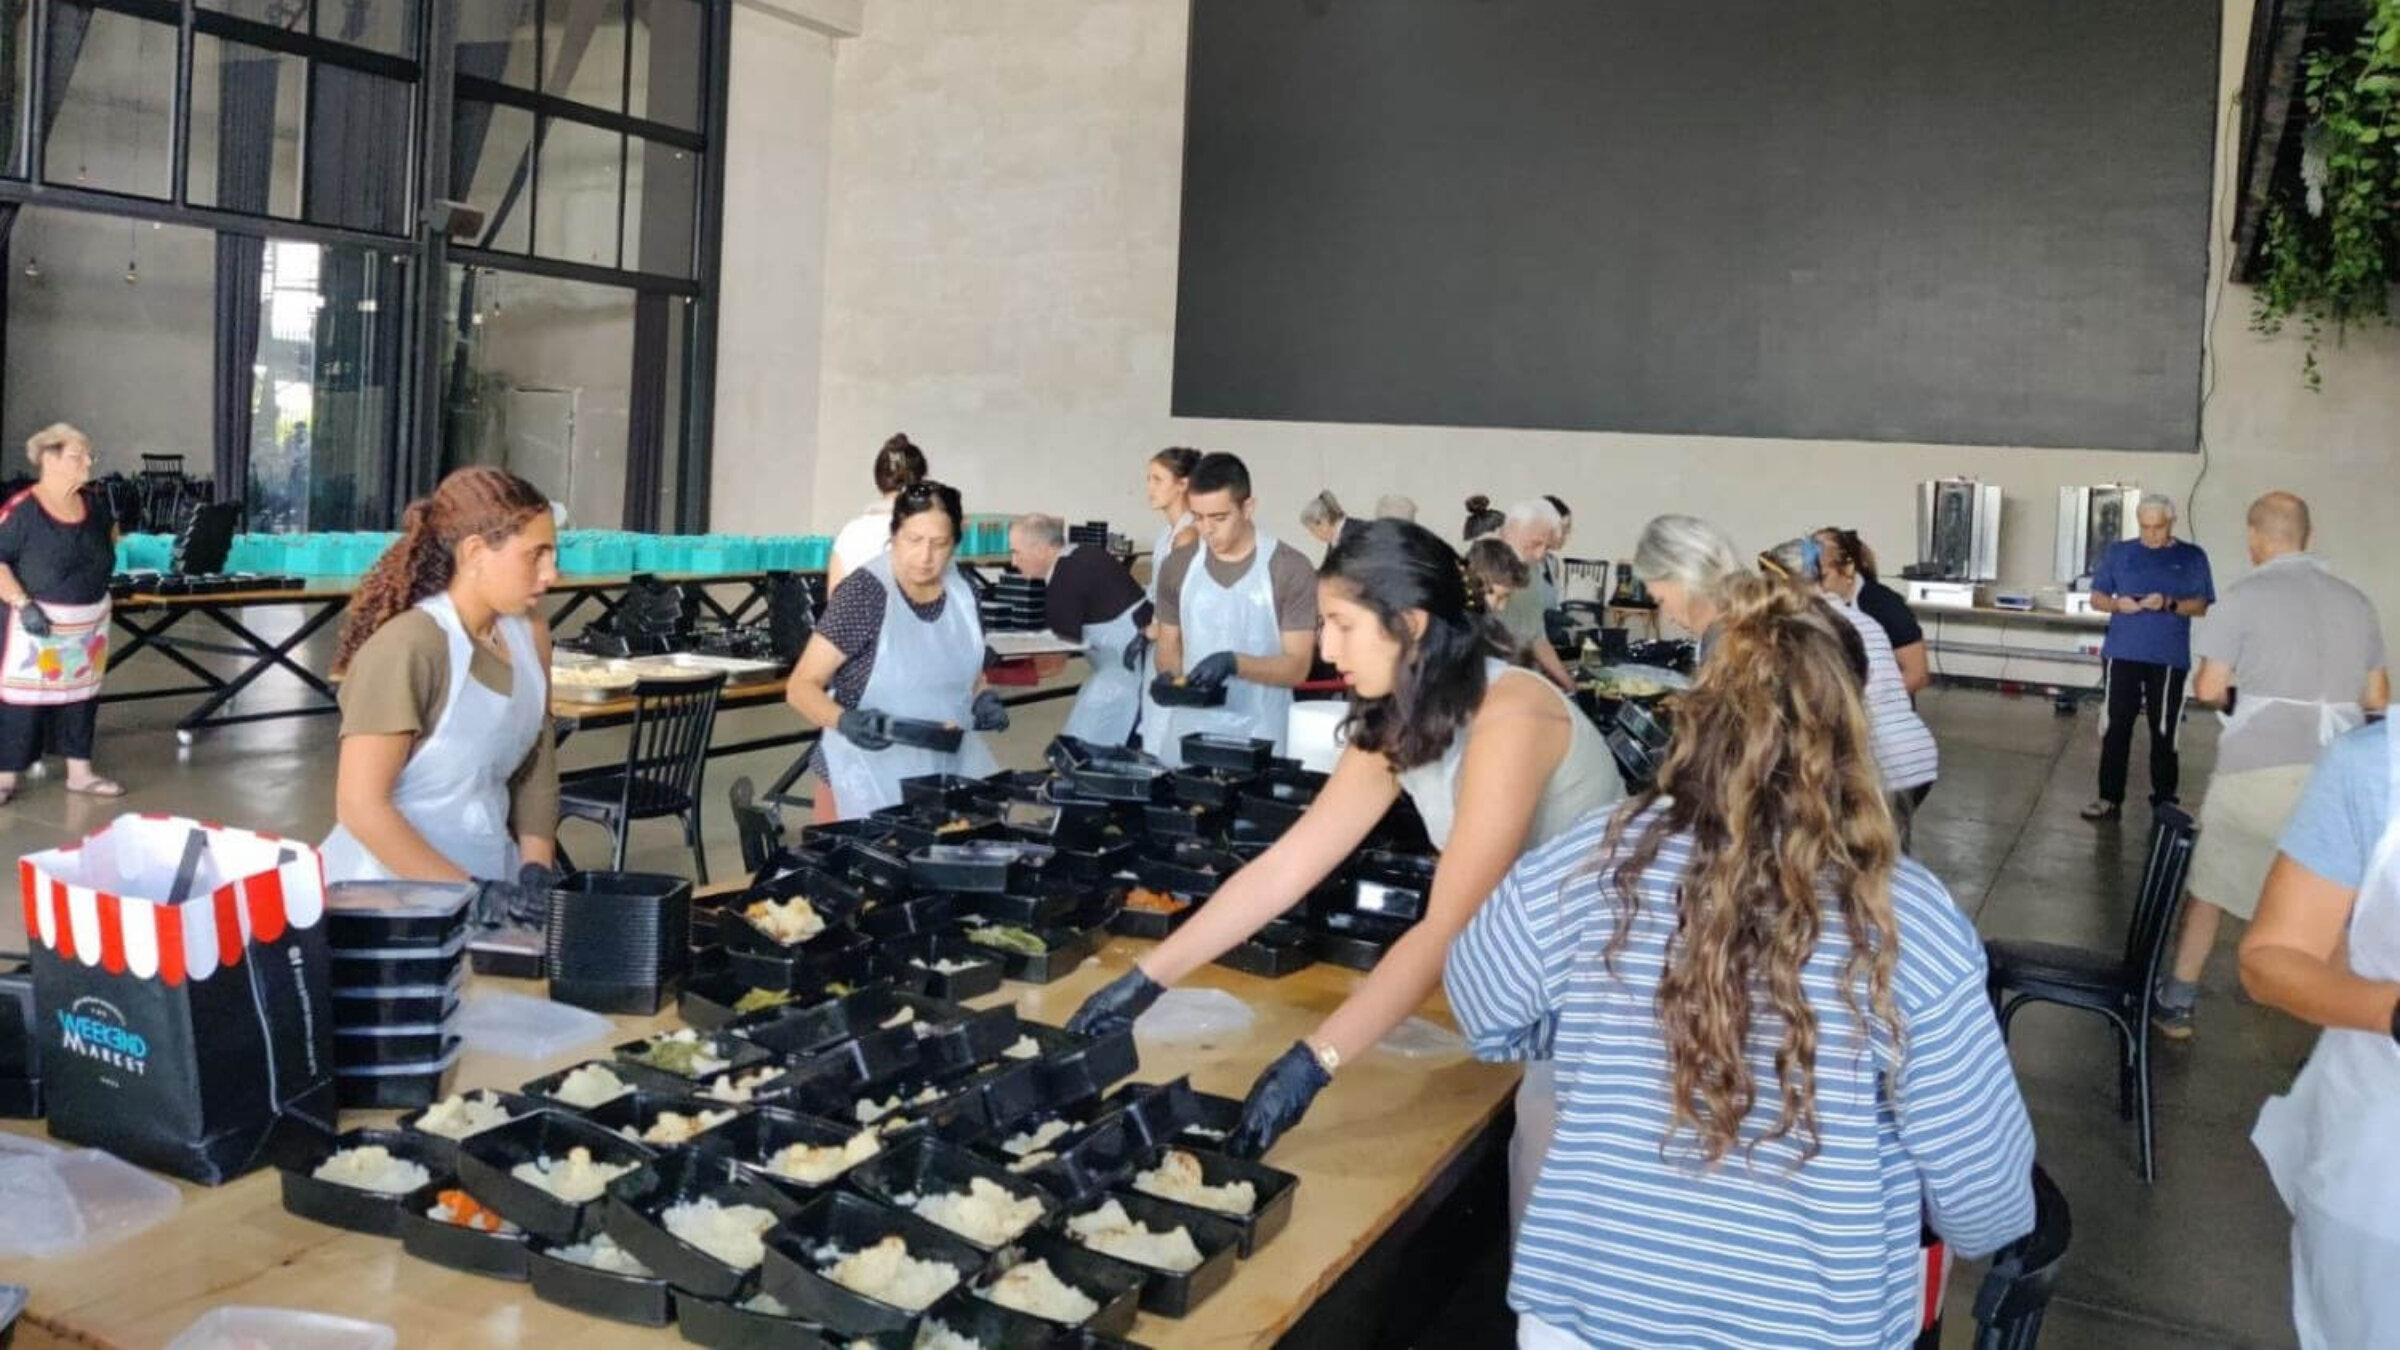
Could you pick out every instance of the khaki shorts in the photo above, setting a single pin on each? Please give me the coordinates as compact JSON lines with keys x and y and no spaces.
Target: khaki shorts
{"x":2241,"y":823}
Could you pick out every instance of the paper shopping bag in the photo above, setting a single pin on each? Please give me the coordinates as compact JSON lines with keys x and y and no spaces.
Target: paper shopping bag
{"x":180,"y":977}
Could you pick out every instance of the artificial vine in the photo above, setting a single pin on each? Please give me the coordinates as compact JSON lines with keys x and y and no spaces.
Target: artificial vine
{"x":2332,"y":257}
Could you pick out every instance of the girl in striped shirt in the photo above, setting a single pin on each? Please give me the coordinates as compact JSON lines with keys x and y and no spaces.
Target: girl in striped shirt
{"x":1773,"y":1052}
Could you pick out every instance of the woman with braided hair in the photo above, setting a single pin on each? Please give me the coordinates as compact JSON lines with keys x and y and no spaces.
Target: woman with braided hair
{"x":1495,"y":760}
{"x":1774,"y":1053}
{"x":447,"y":771}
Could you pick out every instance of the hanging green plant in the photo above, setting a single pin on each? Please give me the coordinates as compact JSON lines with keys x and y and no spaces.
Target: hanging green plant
{"x":2330,"y":258}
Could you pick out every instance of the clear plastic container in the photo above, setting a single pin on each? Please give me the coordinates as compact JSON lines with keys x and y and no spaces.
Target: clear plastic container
{"x":527,"y":1028}
{"x":1193,"y":1014}
{"x":59,"y":1202}
{"x":235,"y":1327}
{"x":1418,"y":1038}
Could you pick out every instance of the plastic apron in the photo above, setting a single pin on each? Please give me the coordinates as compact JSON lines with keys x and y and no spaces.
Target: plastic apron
{"x":2333,"y":718}
{"x":1111,"y":697}
{"x":1153,"y":720}
{"x":1241,"y":619}
{"x":922,"y":670}
{"x":2333,"y":1142}
{"x":454,"y":790}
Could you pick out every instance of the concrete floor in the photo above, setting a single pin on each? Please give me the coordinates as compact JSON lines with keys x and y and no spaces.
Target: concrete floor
{"x":2199,"y":1259}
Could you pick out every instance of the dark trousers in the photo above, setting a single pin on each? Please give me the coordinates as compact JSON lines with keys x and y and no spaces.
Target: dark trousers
{"x":2142,"y":691}
{"x":69,"y":727}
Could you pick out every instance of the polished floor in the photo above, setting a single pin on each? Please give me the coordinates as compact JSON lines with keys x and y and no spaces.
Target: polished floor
{"x":2199,"y":1259}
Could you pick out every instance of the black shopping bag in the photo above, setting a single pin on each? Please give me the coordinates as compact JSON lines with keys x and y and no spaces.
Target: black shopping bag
{"x":183,"y":1034}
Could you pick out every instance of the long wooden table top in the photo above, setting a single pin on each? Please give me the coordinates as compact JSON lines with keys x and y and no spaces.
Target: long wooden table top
{"x":749,"y":693}
{"x":1373,"y":1142}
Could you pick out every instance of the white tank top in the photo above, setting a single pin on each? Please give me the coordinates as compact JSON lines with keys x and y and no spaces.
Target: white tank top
{"x":1584,"y":780}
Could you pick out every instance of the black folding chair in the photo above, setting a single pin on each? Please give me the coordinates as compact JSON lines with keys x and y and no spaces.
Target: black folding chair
{"x":664,"y":754}
{"x":2120,"y":986}
{"x":759,"y":827}
{"x":2016,"y":1290}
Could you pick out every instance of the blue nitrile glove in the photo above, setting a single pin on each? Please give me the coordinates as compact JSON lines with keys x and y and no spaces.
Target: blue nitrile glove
{"x":989,"y":712}
{"x":1277,"y":1101}
{"x":1213,"y":671}
{"x":1116,"y":1005}
{"x":865,"y":728}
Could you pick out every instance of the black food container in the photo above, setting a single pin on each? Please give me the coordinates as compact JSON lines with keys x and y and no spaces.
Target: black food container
{"x":389,"y":967}
{"x":1273,"y":1188}
{"x":634,"y":1215}
{"x":723,"y":1324}
{"x":1217,"y":789}
{"x":1121,"y":781}
{"x":1188,"y":870}
{"x":541,"y":1089}
{"x":1099,"y":1154}
{"x":639,"y":1111}
{"x":923,"y":734}
{"x":736,"y":1052}
{"x":407,"y":1005}
{"x":367,"y":915}
{"x":618,"y":942}
{"x":397,"y":1087}
{"x":914,"y":961}
{"x":828,"y":958}
{"x":1114,"y":1285}
{"x":1171,"y":1293}
{"x":1268,"y":960}
{"x":1171,"y":691}
{"x":898,"y":918}
{"x":1173,"y":823}
{"x":846,"y":1222}
{"x":986,"y":866}
{"x":647,"y":1302}
{"x":757,"y":1138}
{"x":356,"y":1047}
{"x":500,"y":1256}
{"x":486,"y":1163}
{"x":445,"y":1147}
{"x":1136,"y":922}
{"x":950,"y":792}
{"x":1350,"y":953}
{"x":927,"y":1167}
{"x":362,"y":1211}
{"x":1075,"y":1067}
{"x":708,"y":1003}
{"x":988,"y":1324}
{"x":1243,"y":755}
{"x":1063,"y":949}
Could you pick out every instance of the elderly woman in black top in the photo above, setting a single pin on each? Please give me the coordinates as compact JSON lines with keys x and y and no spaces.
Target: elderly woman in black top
{"x":56,"y":552}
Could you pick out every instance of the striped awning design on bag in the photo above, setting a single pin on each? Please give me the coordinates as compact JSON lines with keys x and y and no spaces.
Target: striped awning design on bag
{"x":90,"y":901}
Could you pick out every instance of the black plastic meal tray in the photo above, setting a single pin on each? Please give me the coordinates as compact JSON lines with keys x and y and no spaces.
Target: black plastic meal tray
{"x":1022,"y":911}
{"x":1187,"y":871}
{"x":1066,"y":949}
{"x":797,"y":1030}
{"x":1055,"y":820}
{"x":985,"y":866}
{"x":1271,"y":813}
{"x":1350,"y":953}
{"x":924,"y":1167}
{"x":1150,"y":923}
{"x":950,"y":792}
{"x":830,"y":956}
{"x":911,"y":962}
{"x":362,"y":1211}
{"x":1158,"y":1112}
{"x":500,"y":1256}
{"x":922,"y":825}
{"x":1075,"y":1067}
{"x":1071,"y":864}
{"x":1266,"y":959}
{"x":485,"y":1162}
{"x":923,"y":734}
{"x":850,"y":1222}
{"x":1173,"y":691}
{"x":362,"y":1046}
{"x":634,"y":1216}
{"x":504,"y":954}
{"x":418,"y":925}
{"x":951,"y":1038}
{"x":722,"y":1324}
{"x":707,"y":1003}
{"x":931,"y":912}
{"x":540,"y":1089}
{"x":1247,"y":756}
{"x":1217,"y":789}
{"x":1114,"y":1285}
{"x":395,"y":967}
{"x":834,"y":1076}
{"x":989,"y":1325}
{"x":863,"y":851}
{"x":639,"y":1110}
{"x":394,"y":1008}
{"x":1171,"y":1293}
{"x":775,"y":1088}
{"x":1175,"y":822}
{"x":600,"y":1293}
{"x":1121,"y":782}
{"x":396,"y":1087}
{"x":835,"y":901}
{"x":756,"y":1139}
{"x":1273,"y":1187}
{"x":739,"y":1053}
{"x":446,"y":1148}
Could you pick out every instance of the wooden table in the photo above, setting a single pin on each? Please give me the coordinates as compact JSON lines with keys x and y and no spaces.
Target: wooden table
{"x":1374,"y":1142}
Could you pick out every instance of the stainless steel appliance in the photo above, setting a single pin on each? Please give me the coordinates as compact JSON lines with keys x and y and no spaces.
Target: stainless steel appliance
{"x":1958,"y":530}
{"x":2089,"y":520}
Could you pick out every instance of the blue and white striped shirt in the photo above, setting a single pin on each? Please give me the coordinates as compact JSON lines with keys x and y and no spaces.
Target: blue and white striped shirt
{"x":1626,"y":1242}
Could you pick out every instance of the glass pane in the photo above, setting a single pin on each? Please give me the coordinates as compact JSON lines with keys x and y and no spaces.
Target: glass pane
{"x":329,"y":323}
{"x":496,"y":40}
{"x":384,"y":25}
{"x":575,"y":211}
{"x":662,"y":184}
{"x":490,"y":171}
{"x":358,"y":140}
{"x":245,"y":127}
{"x":670,"y":61}
{"x":117,"y":358}
{"x":289,"y":15}
{"x":583,"y":51}
{"x":537,"y":379}
{"x":116,"y":120}
{"x":16,"y":68}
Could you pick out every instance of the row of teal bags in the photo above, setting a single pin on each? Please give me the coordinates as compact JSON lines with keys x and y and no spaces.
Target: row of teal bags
{"x":580,"y":552}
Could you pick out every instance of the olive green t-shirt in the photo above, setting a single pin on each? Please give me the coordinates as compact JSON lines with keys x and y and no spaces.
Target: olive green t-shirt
{"x":399,"y":685}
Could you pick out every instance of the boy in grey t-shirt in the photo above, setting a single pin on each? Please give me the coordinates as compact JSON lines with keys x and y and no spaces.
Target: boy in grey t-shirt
{"x":2300,"y":653}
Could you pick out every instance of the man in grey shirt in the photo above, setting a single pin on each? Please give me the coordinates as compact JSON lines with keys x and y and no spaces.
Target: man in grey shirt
{"x":2293,"y":655}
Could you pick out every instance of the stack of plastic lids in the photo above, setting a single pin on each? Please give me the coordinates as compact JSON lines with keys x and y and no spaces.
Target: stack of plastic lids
{"x":398,"y":969}
{"x":1090,"y":534}
{"x":1015,"y":604}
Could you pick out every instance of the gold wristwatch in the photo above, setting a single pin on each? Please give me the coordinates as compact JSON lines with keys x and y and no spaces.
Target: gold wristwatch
{"x":1328,"y":1058}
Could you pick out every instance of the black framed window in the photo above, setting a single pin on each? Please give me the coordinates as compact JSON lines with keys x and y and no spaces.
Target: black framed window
{"x":111,"y":102}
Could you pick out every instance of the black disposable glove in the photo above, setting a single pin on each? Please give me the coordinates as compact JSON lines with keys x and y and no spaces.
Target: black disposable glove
{"x":32,"y":619}
{"x":1277,"y":1101}
{"x":531,"y":907}
{"x":1137,"y":651}
{"x":500,"y":903}
{"x":1118,"y":1003}
{"x":866,"y":729}
{"x":1213,"y":671}
{"x":990,"y":713}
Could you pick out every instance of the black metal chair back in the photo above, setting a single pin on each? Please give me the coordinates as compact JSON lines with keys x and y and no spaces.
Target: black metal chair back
{"x":2155,"y":906}
{"x":760,"y":828}
{"x":667,"y":748}
{"x":2016,"y":1290}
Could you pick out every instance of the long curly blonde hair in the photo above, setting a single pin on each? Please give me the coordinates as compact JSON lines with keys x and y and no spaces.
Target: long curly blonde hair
{"x":481,"y":502}
{"x":1771,"y":777}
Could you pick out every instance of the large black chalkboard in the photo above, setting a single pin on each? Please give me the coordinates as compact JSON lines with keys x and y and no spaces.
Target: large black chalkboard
{"x":1956,"y":221}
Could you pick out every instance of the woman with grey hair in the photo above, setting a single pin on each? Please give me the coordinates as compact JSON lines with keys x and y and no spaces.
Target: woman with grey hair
{"x":1904,"y":745}
{"x":56,"y":553}
{"x":1325,"y":519}
{"x":1684,"y":561}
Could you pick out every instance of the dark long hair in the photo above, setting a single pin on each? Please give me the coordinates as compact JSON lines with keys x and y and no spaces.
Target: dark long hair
{"x":1179,"y":460}
{"x":1389,"y":568}
{"x":898,"y":464}
{"x":481,"y":502}
{"x":1481,"y":518}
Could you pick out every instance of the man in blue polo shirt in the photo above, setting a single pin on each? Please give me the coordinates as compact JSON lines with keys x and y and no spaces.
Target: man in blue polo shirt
{"x":2151,"y":588}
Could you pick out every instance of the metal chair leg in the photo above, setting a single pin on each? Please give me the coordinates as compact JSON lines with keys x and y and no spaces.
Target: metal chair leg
{"x":2148,"y":1125}
{"x":620,"y":827}
{"x":691,"y":836}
